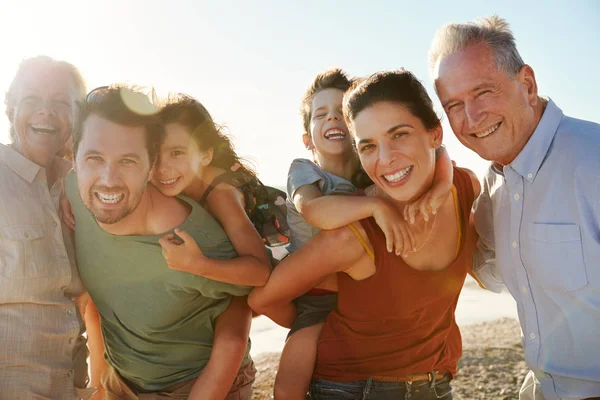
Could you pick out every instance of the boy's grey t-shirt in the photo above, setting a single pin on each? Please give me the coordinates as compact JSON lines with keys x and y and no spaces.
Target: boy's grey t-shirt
{"x":305,"y":172}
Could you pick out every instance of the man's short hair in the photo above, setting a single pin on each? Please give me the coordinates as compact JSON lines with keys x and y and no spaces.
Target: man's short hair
{"x":493,"y":31}
{"x":49,"y":63}
{"x":333,"y":78}
{"x":123,"y":105}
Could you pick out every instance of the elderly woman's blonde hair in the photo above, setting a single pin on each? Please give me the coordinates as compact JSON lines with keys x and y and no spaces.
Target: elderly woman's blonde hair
{"x":78,"y":89}
{"x":493,"y":31}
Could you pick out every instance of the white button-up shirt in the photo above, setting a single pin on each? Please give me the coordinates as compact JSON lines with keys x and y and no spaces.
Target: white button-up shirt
{"x":42,"y":350}
{"x":539,"y":224}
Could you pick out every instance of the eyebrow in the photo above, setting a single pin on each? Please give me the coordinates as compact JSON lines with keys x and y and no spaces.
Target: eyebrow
{"x":482,"y":86}
{"x":475,"y":89}
{"x":389,"y":131}
{"x":128,"y":155}
{"x":176,"y":147}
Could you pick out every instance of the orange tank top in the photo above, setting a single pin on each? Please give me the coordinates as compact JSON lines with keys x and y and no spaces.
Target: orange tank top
{"x":399,"y":321}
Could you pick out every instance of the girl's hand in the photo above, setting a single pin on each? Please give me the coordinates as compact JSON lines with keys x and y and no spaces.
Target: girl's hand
{"x":181,"y":253}
{"x":398,"y":236}
{"x":66,"y":212}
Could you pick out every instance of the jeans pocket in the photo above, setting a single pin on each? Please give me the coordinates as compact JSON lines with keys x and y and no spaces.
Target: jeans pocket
{"x":330,"y":391}
{"x":442,"y":390}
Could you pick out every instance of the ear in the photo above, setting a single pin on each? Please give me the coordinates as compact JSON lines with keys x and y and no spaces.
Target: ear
{"x":437,"y":136}
{"x":526,"y":77}
{"x":308,"y":143}
{"x":207,"y":157}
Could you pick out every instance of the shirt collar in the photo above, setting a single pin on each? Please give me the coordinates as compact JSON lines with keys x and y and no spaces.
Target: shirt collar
{"x":529,"y":160}
{"x":26,"y":168}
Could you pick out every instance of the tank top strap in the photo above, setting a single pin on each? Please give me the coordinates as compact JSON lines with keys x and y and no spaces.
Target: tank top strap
{"x":362,"y":241}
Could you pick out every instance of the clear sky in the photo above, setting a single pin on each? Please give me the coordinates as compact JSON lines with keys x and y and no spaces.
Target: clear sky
{"x":249,"y":62}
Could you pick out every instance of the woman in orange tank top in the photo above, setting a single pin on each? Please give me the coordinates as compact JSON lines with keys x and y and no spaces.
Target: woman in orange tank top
{"x":393,"y":334}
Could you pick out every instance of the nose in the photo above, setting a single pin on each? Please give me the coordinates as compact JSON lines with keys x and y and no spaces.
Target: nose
{"x":163,"y":167}
{"x":386,"y":155}
{"x":474,"y":115}
{"x":109,"y":176}
{"x":334,"y":115}
{"x":47,"y":107}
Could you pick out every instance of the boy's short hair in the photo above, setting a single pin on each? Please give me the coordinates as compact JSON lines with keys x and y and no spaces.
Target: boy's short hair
{"x":333,"y":78}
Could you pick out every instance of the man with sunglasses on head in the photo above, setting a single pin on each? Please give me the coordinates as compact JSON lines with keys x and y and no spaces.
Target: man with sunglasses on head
{"x":157,"y":323}
{"x":42,"y":350}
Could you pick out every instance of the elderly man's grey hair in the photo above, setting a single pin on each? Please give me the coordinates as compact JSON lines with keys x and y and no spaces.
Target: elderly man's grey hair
{"x":493,"y":31}
{"x":78,"y":89}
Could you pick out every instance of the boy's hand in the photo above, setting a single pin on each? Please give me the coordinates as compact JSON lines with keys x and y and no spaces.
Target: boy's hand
{"x":398,"y":236}
{"x":181,"y":254}
{"x":427,"y":205}
{"x":66,"y":212}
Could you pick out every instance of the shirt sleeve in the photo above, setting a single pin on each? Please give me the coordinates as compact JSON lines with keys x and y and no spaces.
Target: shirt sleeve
{"x":303,"y":172}
{"x":484,"y":259}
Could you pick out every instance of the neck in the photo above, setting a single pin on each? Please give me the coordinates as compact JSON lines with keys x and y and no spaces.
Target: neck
{"x":42,"y":158}
{"x":341,"y":165}
{"x":138,"y":221}
{"x":538,"y":112}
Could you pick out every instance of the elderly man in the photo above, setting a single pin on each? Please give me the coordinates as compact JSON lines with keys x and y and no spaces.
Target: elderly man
{"x":539,"y":214}
{"x":42,"y":352}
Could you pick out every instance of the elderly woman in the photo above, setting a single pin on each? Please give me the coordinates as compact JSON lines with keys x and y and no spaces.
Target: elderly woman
{"x":393,"y":334}
{"x":42,"y":352}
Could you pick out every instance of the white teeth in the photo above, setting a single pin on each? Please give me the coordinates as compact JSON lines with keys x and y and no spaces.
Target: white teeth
{"x":398,"y":175}
{"x":109,"y":198}
{"x":488,"y":132}
{"x":44,"y":127}
{"x":169,"y":182}
{"x":335,"y":134}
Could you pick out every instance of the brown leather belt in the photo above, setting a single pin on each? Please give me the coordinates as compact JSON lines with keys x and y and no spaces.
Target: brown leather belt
{"x":428,"y":376}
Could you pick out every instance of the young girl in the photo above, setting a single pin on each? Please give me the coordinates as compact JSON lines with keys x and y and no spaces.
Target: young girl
{"x":197,"y":160}
{"x":335,"y":170}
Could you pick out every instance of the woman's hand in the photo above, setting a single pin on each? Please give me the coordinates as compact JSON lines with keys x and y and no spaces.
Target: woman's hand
{"x":181,"y":253}
{"x":66,"y":212}
{"x":398,"y":236}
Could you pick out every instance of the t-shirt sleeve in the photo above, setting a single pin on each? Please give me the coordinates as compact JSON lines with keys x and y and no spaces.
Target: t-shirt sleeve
{"x":303,"y":172}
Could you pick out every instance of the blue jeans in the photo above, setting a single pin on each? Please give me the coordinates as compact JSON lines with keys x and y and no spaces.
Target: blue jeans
{"x":372,"y":390}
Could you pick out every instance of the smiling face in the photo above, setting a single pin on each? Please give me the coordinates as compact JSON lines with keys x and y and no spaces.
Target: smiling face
{"x":42,"y":115}
{"x":396,"y":150}
{"x":489,"y":111}
{"x":113,"y":167}
{"x":180,"y":161}
{"x":329,"y":133}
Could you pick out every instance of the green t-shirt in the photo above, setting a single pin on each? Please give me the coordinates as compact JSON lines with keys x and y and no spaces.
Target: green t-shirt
{"x":158,"y":324}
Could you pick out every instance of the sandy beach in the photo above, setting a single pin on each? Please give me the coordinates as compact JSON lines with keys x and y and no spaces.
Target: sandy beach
{"x":492,"y":365}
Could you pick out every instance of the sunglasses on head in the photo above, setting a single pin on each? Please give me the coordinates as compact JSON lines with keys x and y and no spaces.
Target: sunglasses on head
{"x":135,"y":100}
